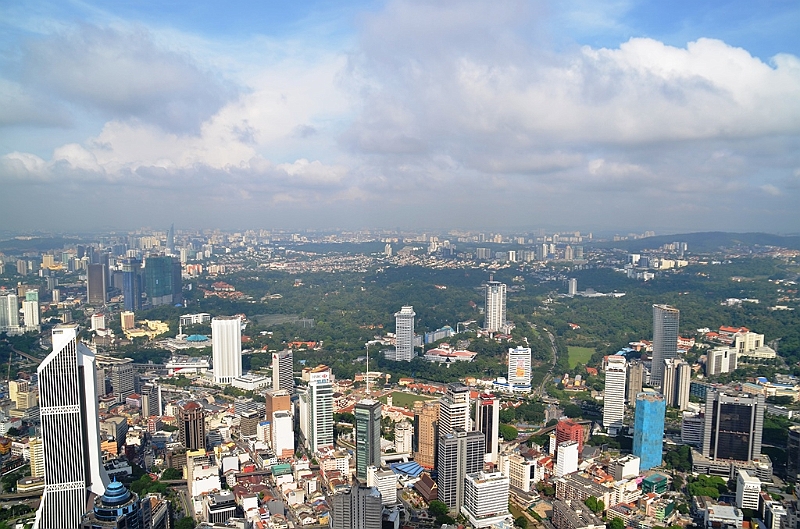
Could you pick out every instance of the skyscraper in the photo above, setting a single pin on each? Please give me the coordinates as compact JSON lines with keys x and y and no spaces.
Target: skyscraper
{"x":486,"y":499}
{"x":118,"y":508}
{"x":675,"y":383}
{"x":162,"y":280}
{"x":454,"y":409}
{"x":634,"y":381}
{"x":648,"y":429}
{"x":367,"y":414}
{"x":73,"y":466}
{"x":495,"y":306}
{"x":357,"y":508}
{"x":30,"y":313}
{"x":192,"y":425}
{"x":404,"y":333}
{"x":569,"y":430}
{"x":132,"y":283}
{"x":316,"y":414}
{"x":487,"y":418}
{"x":460,"y":453}
{"x":519,"y":369}
{"x":573,"y":286}
{"x":567,"y":458}
{"x":96,"y":286}
{"x":276,"y":400}
{"x":666,"y":321}
{"x":614,"y":399}
{"x":282,"y":375}
{"x":171,"y":239}
{"x":426,"y":432}
{"x":9,"y":313}
{"x":733,"y":426}
{"x":226,"y":348}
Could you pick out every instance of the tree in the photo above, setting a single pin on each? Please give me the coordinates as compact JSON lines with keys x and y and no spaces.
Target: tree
{"x":572,"y":411}
{"x":521,"y":522}
{"x":172,"y":473}
{"x":508,"y":432}
{"x":185,"y":523}
{"x":596,"y":506}
{"x":616,"y":523}
{"x":437,"y":508}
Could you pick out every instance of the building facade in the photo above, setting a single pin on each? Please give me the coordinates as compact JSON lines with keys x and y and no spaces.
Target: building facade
{"x":367,"y":414}
{"x":357,"y":508}
{"x":454,"y":409}
{"x":460,"y":453}
{"x":282,"y":371}
{"x":733,"y":426}
{"x":666,"y":321}
{"x":614,"y":399}
{"x":519,"y":369}
{"x":648,"y":429}
{"x":316,"y":414}
{"x":226,"y":348}
{"x":487,"y":419}
{"x":426,"y":433}
{"x":192,"y":425}
{"x":675,"y":383}
{"x":486,"y":499}
{"x":404,"y":334}
{"x":495,"y":306}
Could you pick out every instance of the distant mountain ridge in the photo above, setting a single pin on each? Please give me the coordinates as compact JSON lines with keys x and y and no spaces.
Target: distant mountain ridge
{"x":708,"y":241}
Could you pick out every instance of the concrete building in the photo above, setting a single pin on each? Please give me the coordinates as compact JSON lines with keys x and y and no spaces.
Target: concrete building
{"x":486,"y":499}
{"x":30,"y":314}
{"x":573,"y":286}
{"x":733,"y":426}
{"x":721,"y":360}
{"x":404,"y":334}
{"x":748,"y":491}
{"x":487,"y":419}
{"x":426,"y":433}
{"x":454,"y":409}
{"x":9,"y":313}
{"x":626,"y":467}
{"x":572,"y":514}
{"x":226,"y":347}
{"x":675,"y":383}
{"x":569,"y":430}
{"x":460,"y":453}
{"x":192,"y":425}
{"x":127,"y":320}
{"x":519,"y":369}
{"x":692,"y":426}
{"x":118,"y":508}
{"x":385,"y":481}
{"x":70,"y":431}
{"x":367,"y":414}
{"x":793,"y":454}
{"x":614,"y":399}
{"x":282,"y":434}
{"x":282,"y":371}
{"x":403,"y":437}
{"x":567,"y":458}
{"x":634,"y":381}
{"x":357,"y":508}
{"x":666,"y":321}
{"x":648,"y":429}
{"x":316,"y":414}
{"x":495,"y":306}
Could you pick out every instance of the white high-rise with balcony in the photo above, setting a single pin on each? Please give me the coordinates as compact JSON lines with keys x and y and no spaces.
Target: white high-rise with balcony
{"x":226,"y":348}
{"x":404,"y":333}
{"x":614,"y":399}
{"x":495,"y":306}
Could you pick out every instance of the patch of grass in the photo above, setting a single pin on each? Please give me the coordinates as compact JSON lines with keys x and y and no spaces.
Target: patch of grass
{"x":579,"y":355}
{"x":404,"y":400}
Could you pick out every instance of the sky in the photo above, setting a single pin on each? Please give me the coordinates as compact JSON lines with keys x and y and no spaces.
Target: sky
{"x":572,"y":114}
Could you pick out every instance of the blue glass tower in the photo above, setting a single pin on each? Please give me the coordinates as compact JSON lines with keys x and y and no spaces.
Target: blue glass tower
{"x":118,"y":508}
{"x":648,"y":429}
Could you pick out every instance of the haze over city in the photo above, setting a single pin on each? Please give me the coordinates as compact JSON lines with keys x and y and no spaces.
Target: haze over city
{"x":616,"y":115}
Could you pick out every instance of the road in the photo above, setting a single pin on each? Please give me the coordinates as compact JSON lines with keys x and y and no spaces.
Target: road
{"x":540,"y":390}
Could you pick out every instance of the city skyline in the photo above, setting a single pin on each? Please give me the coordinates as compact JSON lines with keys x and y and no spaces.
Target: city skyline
{"x":401,"y":113}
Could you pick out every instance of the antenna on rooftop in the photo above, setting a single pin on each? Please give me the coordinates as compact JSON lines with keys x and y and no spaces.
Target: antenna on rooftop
{"x":367,"y":374}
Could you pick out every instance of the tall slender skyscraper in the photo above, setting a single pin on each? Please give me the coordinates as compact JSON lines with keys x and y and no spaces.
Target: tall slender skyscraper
{"x":634,"y":381}
{"x":495,"y":306}
{"x":675,"y":383}
{"x":666,"y":320}
{"x":226,"y":348}
{"x":162,"y":280}
{"x":614,"y":399}
{"x":9,"y":313}
{"x":192,"y":425}
{"x":648,"y":429}
{"x":404,"y":333}
{"x":426,"y":432}
{"x":132,"y":283}
{"x":96,"y":286}
{"x":454,"y":409}
{"x":519,"y":369}
{"x":73,"y":466}
{"x":282,"y":375}
{"x":487,"y":418}
{"x":367,"y":414}
{"x":460,"y":453}
{"x":316,"y":414}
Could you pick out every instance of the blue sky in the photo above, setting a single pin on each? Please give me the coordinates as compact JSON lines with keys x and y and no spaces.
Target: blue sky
{"x":674,"y":116}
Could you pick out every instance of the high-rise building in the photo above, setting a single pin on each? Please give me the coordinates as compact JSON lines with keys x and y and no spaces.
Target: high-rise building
{"x":454,"y":409}
{"x":73,"y":465}
{"x":132,"y":283}
{"x":316,"y":414}
{"x":426,"y":432}
{"x":282,"y":434}
{"x":495,"y":306}
{"x":748,"y":490}
{"x":666,"y":321}
{"x":123,"y":379}
{"x":36,"y":451}
{"x":675,"y":383}
{"x":569,"y":430}
{"x":634,"y":381}
{"x":567,"y":458}
{"x":648,"y":429}
{"x":614,"y":399}
{"x":733,"y":426}
{"x":519,"y":369}
{"x":486,"y":499}
{"x":192,"y":425}
{"x":721,"y":360}
{"x":487,"y":420}
{"x":282,"y":374}
{"x":460,"y":453}
{"x":96,"y":286}
{"x":9,"y":313}
{"x":403,"y":437}
{"x":226,"y":348}
{"x":163,"y":281}
{"x":357,"y":508}
{"x":367,"y":414}
{"x":276,"y":400}
{"x":118,"y":508}
{"x":404,"y":333}
{"x":171,"y":239}
{"x":30,"y":314}
{"x":573,"y":286}
{"x":127,"y":320}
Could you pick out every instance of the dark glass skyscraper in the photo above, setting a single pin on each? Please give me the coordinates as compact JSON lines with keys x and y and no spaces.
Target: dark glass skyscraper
{"x":733,"y":426}
{"x":367,"y":414}
{"x":666,"y":320}
{"x":162,"y":280}
{"x":132,"y":283}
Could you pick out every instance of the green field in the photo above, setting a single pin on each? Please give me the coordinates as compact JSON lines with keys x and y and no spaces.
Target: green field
{"x":579,"y":355}
{"x":404,"y":400}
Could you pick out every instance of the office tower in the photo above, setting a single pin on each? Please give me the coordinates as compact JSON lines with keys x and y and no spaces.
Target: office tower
{"x":569,"y":430}
{"x":793,"y":454}
{"x":171,"y":239}
{"x":733,"y":425}
{"x":367,"y":414}
{"x":634,"y":381}
{"x":226,"y":348}
{"x":282,"y":434}
{"x":721,"y":360}
{"x":73,"y":466}
{"x":316,"y":414}
{"x":132,"y":283}
{"x":30,"y":313}
{"x":573,"y":286}
{"x":118,"y":508}
{"x":519,"y":369}
{"x":357,"y":508}
{"x":282,"y":374}
{"x":460,"y":453}
{"x":648,"y":429}
{"x":403,"y":437}
{"x":486,"y":499}
{"x":675,"y":383}
{"x":151,"y":400}
{"x":404,"y":333}
{"x":385,"y":481}
{"x":487,"y":419}
{"x":163,"y":281}
{"x":9,"y":313}
{"x":567,"y":458}
{"x":96,"y":286}
{"x":454,"y":409}
{"x":192,"y":425}
{"x":748,"y":490}
{"x":426,"y":432}
{"x":692,"y":425}
{"x":666,"y":320}
{"x":276,"y":400}
{"x":614,"y":399}
{"x":495,"y":306}
{"x":36,"y":451}
{"x":123,"y":379}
